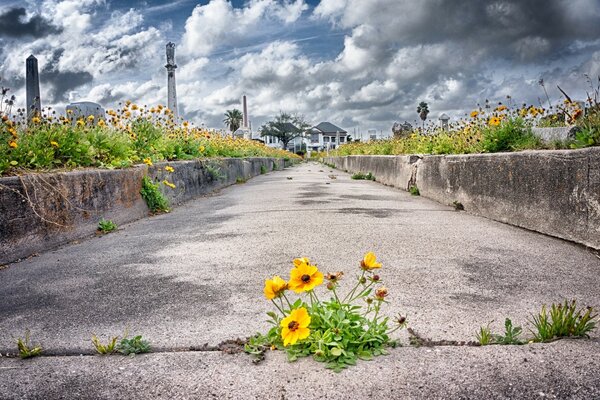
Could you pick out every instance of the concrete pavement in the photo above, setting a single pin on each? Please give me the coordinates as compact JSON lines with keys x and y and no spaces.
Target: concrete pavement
{"x":195,"y":276}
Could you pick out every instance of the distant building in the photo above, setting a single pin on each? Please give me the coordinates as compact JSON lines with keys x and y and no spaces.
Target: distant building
{"x":326,"y":136}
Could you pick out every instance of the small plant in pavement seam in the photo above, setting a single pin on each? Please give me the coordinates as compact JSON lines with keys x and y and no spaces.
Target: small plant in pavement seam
{"x":25,"y":348}
{"x":337,"y":331}
{"x":263,"y":170}
{"x":511,"y":334}
{"x":106,"y":225}
{"x":563,"y":320}
{"x":134,"y":345}
{"x":484,"y":336}
{"x":240,"y":180}
{"x":414,"y":190}
{"x":107,"y":348}
{"x":560,"y":321}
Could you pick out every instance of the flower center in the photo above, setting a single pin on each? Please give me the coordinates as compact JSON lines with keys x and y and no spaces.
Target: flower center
{"x":292,"y":326}
{"x":305,"y":278}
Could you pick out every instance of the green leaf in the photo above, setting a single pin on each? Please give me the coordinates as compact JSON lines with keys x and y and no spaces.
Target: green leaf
{"x":336,"y":351}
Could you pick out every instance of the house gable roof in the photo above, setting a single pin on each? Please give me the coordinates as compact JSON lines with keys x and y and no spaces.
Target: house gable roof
{"x":329,"y":128}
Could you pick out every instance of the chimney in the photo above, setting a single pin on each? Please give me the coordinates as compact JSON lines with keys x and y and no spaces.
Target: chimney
{"x":245,"y":111}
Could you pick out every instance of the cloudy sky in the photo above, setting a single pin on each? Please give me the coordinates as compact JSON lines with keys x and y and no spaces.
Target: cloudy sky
{"x":359,"y":64}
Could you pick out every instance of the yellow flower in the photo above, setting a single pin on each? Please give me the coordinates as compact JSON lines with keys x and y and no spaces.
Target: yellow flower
{"x":80,"y":122}
{"x":301,"y":261}
{"x":369,"y":262}
{"x":90,"y":118}
{"x":54,"y":144}
{"x":169,"y":184}
{"x":295,"y":326}
{"x":201,"y":149}
{"x":474,"y":114}
{"x":134,"y":107}
{"x":101,"y":123}
{"x":69,"y":111}
{"x":148,"y":161}
{"x":501,"y":108}
{"x":168,"y":168}
{"x":274,"y":287}
{"x":13,"y":144}
{"x":36,"y":120}
{"x":494,"y":121}
{"x":304,"y":278}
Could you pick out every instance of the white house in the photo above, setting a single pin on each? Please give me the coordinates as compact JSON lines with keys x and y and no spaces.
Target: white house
{"x":326,"y":136}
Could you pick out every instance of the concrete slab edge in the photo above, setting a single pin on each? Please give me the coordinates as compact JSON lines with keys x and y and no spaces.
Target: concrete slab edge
{"x":556,"y":193}
{"x":41,"y":211}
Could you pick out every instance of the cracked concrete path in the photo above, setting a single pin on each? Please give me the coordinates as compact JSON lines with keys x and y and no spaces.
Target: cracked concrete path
{"x":195,"y":276}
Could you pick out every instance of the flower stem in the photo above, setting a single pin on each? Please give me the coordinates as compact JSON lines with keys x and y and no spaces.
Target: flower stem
{"x":351,"y":293}
{"x":280,"y":310}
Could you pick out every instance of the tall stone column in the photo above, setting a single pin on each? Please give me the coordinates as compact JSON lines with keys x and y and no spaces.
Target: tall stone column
{"x":32,"y":87}
{"x":171,"y":87}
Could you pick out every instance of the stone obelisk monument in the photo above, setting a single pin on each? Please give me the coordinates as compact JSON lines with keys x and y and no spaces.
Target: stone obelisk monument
{"x":32,"y":87}
{"x":171,"y":87}
{"x":244,"y":112}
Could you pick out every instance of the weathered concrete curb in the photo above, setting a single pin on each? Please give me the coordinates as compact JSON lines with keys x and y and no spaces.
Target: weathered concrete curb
{"x":42,"y":211}
{"x":553,"y":192}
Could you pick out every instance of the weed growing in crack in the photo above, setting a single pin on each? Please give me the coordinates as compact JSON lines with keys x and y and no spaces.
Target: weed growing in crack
{"x":25,"y":348}
{"x":414,"y":190}
{"x":263,"y":170}
{"x":337,"y":331}
{"x":106,"y":225}
{"x":104,"y":349}
{"x":135,"y":345}
{"x":563,"y":320}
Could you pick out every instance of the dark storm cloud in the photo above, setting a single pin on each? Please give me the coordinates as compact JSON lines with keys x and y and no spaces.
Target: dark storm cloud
{"x":62,"y":81}
{"x":13,"y":24}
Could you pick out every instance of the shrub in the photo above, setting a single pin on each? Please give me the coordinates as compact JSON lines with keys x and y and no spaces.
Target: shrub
{"x":563,"y":320}
{"x":361,"y":176}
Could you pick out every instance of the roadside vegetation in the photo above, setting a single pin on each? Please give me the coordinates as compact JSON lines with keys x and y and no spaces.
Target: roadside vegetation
{"x":130,"y":135}
{"x":492,"y":128}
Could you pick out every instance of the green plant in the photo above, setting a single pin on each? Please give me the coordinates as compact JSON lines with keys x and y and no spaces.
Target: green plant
{"x":25,"y":349}
{"x":240,"y":180}
{"x":484,"y":336}
{"x":337,"y":331}
{"x":510,"y":135}
{"x":214,"y":172}
{"x":135,"y":345}
{"x":154,"y":198}
{"x":361,"y":176}
{"x":563,"y":320}
{"x":106,"y":225}
{"x":458,"y":206}
{"x":414,"y":190}
{"x":511,"y":334}
{"x":108,"y":348}
{"x":263,"y":170}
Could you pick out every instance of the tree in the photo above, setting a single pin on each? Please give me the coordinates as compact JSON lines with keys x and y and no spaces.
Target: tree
{"x":285,"y":127}
{"x":423,"y":110}
{"x":233,"y":119}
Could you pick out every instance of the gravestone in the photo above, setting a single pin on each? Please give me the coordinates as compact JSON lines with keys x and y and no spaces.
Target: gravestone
{"x":444,"y":118}
{"x":83,"y":109}
{"x":401,"y":130}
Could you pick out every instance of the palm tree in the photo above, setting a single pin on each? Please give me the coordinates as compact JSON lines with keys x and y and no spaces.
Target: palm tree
{"x":233,"y":119}
{"x":423,"y":110}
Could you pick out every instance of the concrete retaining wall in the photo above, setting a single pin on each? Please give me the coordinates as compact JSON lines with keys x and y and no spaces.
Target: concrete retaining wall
{"x":41,"y":211}
{"x":553,"y":192}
